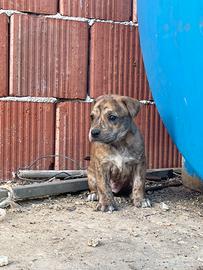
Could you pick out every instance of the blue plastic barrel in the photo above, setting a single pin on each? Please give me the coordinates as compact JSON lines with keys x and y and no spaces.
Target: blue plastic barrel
{"x":171,"y":34}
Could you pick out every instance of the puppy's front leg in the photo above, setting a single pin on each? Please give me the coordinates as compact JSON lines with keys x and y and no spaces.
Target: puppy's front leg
{"x":106,"y":199}
{"x":138,"y":192}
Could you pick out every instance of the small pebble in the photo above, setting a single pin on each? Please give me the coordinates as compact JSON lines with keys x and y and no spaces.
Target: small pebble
{"x":164,"y":206}
{"x":93,"y":243}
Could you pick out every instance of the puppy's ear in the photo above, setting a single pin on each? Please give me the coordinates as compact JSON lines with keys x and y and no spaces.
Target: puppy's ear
{"x":102,"y":98}
{"x":97,"y":100}
{"x":133,"y":105}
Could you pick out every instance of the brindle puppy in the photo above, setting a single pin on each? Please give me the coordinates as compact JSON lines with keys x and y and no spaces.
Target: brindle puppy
{"x":117,"y":160}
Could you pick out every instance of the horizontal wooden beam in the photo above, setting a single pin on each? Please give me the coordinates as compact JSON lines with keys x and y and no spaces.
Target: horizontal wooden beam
{"x":33,"y":191}
{"x":40,"y":174}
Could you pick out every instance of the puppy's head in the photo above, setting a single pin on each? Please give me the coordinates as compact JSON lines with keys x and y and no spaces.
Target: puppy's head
{"x":111,"y":118}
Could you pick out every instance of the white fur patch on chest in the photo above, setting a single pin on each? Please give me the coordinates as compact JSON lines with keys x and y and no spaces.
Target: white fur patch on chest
{"x":119,"y":160}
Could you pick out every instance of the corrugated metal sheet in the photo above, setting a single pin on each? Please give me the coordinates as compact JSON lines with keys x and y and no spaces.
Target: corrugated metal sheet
{"x":26,"y":133}
{"x":48,"y":57}
{"x":116,"y":64}
{"x":117,"y":10}
{"x":3,"y":55}
{"x":72,"y":128}
{"x":160,"y":150}
{"x":37,"y":6}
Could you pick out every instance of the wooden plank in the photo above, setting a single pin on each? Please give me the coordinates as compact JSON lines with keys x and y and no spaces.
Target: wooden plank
{"x":40,"y":174}
{"x":33,"y":191}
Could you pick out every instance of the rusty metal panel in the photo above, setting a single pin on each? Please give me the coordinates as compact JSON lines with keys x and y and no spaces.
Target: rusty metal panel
{"x":116,"y":63}
{"x":48,"y":57}
{"x":161,"y":152}
{"x":72,"y":127}
{"x":26,"y":133}
{"x":116,"y":10}
{"x":3,"y":55}
{"x":35,"y":6}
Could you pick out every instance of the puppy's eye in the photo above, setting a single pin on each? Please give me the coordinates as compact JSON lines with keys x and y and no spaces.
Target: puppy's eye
{"x":92,"y":117}
{"x":112,"y":118}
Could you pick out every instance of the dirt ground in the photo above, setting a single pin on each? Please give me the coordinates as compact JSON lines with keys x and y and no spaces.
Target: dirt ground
{"x":67,"y":233}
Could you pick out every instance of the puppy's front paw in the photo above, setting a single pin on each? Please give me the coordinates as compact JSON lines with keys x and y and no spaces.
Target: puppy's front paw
{"x":144,"y":203}
{"x":106,"y":207}
{"x":92,"y":197}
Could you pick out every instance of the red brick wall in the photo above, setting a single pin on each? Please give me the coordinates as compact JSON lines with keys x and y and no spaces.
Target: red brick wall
{"x":70,"y":59}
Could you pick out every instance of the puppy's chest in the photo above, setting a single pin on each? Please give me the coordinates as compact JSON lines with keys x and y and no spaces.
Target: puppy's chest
{"x":122,"y":161}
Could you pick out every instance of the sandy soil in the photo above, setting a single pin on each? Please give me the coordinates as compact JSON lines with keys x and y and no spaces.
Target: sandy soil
{"x":67,"y":233}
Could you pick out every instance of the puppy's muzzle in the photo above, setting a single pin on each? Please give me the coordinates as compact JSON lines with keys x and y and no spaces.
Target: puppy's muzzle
{"x":95,"y":133}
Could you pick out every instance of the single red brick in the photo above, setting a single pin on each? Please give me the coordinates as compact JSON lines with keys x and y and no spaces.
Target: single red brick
{"x":34,"y":6}
{"x":48,"y":57}
{"x":116,"y":64}
{"x":3,"y":55}
{"x":116,"y":10}
{"x":161,"y":152}
{"x":26,"y":133}
{"x":72,"y":128}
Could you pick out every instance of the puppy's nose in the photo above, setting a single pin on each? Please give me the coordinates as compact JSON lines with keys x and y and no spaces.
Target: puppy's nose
{"x":95,"y":132}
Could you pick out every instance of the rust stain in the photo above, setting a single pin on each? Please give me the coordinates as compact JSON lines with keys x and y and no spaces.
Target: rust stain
{"x":116,"y":10}
{"x":26,"y":133}
{"x":116,"y":63}
{"x":48,"y":57}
